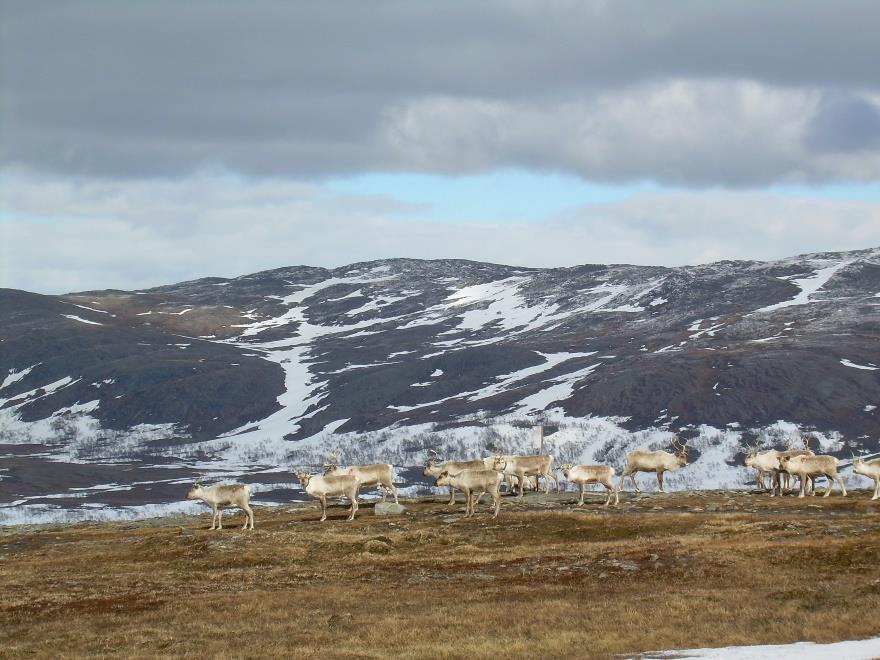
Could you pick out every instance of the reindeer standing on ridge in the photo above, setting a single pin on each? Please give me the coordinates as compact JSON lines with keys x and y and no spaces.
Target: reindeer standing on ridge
{"x":654,"y":461}
{"x":219,"y":496}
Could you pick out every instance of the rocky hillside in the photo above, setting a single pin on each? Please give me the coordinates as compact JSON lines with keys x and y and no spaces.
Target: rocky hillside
{"x":385,"y":359}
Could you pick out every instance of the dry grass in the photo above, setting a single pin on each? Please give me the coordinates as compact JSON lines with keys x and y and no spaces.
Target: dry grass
{"x":539,"y":580}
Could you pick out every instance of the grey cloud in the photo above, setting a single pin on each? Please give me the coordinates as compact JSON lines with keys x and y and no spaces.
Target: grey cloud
{"x":309,"y":89}
{"x":844,"y":123}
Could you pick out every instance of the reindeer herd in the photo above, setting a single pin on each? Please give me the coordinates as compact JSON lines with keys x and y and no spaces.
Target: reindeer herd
{"x":482,"y":476}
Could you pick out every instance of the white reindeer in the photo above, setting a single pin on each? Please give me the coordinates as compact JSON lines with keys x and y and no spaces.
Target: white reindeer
{"x":376,"y":474}
{"x":474,"y":484}
{"x":870,"y":468}
{"x":321,"y":487}
{"x":434,"y":468}
{"x":521,"y":467}
{"x":219,"y":496}
{"x":807,"y":467}
{"x":654,"y":461}
{"x":591,"y":474}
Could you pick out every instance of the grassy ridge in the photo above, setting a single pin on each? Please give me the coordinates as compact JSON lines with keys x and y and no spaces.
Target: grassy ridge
{"x":664,"y":571}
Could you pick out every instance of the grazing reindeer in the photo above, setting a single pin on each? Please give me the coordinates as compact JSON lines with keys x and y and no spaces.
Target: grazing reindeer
{"x":591,"y":474}
{"x":219,"y":496}
{"x":434,"y":468}
{"x":474,"y":484}
{"x":377,"y":474}
{"x":654,"y":461}
{"x":806,"y":467}
{"x":321,"y":487}
{"x":870,"y":468}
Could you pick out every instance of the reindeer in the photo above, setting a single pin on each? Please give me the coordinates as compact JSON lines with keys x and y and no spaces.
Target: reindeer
{"x":219,"y":496}
{"x":376,"y":474}
{"x":525,"y":466}
{"x":474,"y":484}
{"x":591,"y":474}
{"x":783,"y":477}
{"x":869,"y":468}
{"x":434,"y":468}
{"x":321,"y":487}
{"x":806,"y":467}
{"x":654,"y":461}
{"x":764,"y":462}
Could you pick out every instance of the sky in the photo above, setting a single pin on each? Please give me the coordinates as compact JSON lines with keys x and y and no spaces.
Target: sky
{"x":145,"y":143}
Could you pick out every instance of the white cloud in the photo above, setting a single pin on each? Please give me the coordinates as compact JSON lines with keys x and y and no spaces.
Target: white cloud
{"x":679,"y":131}
{"x":62,"y":235}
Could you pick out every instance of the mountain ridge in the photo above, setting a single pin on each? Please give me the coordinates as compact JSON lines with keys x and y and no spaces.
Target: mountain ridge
{"x":277,"y":364}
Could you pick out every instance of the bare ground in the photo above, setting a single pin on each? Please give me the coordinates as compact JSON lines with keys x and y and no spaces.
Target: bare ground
{"x":544,"y":579}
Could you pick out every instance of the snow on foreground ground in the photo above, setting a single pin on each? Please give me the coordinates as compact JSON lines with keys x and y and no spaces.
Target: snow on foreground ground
{"x":865,"y":649}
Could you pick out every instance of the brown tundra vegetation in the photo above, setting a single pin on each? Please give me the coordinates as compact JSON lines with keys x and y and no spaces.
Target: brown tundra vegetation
{"x":659,"y":571}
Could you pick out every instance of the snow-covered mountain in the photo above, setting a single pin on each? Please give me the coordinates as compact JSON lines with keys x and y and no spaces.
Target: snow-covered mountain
{"x":125,"y":395}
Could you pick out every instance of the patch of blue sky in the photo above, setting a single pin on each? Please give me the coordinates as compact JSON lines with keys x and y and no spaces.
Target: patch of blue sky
{"x":510,"y":195}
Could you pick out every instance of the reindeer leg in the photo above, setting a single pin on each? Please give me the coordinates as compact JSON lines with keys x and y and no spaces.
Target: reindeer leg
{"x":521,"y":478}
{"x":635,"y":485}
{"x":660,"y":479}
{"x":219,"y":518}
{"x":323,"y":508}
{"x":354,"y":506}
{"x":581,"y":492}
{"x":834,"y":477}
{"x":611,"y":491}
{"x":548,"y":476}
{"x":451,"y":495}
{"x":876,"y":488}
{"x":394,"y":492}
{"x":496,"y":497}
{"x":249,"y":516}
{"x":213,"y":517}
{"x":830,"y":485}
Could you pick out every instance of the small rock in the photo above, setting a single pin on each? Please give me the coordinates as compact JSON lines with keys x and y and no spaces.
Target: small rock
{"x":388,"y":509}
{"x":713,"y":507}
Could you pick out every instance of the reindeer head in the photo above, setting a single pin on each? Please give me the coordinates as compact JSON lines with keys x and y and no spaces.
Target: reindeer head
{"x":304,"y":478}
{"x":499,"y":463}
{"x":332,"y":462}
{"x":432,"y":465}
{"x":751,"y":452}
{"x":858,"y":463}
{"x":680,"y":450}
{"x":196,"y":491}
{"x":565,"y":468}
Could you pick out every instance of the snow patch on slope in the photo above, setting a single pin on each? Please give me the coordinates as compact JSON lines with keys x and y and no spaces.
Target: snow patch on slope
{"x":808,"y":286}
{"x":865,"y":649}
